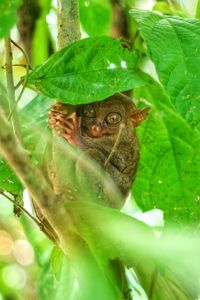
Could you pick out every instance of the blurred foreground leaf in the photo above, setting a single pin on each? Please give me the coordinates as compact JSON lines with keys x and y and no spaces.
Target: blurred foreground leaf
{"x":40,"y":43}
{"x":80,"y":276}
{"x":96,"y":16}
{"x":8,"y":15}
{"x":174,"y":257}
{"x":33,"y":119}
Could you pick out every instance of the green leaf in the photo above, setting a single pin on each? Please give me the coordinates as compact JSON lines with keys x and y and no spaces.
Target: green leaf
{"x":8,"y":15}
{"x":169,"y":169}
{"x":96,"y":16}
{"x":88,"y":70}
{"x":174,"y":46}
{"x":8,"y":180}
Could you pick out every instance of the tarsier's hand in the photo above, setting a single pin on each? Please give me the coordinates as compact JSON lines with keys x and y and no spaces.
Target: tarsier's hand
{"x":65,"y":125}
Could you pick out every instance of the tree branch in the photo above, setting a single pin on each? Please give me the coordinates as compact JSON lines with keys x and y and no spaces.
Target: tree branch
{"x":68,"y":22}
{"x":18,"y":159}
{"x":68,"y":32}
{"x":30,"y":176}
{"x":21,"y":208}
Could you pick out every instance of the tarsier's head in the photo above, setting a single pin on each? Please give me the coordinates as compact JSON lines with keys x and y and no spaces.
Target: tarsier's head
{"x":106,"y":117}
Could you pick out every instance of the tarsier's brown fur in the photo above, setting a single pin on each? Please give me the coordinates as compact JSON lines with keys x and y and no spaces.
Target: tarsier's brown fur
{"x":105,"y":131}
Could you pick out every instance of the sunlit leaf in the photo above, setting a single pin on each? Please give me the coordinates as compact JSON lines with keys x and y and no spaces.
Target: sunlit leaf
{"x":174,"y":46}
{"x":87,"y":70}
{"x":8,"y":15}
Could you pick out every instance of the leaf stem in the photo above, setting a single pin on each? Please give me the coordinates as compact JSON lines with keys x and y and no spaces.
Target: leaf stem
{"x":25,"y":81}
{"x":21,"y":207}
{"x":10,"y":88}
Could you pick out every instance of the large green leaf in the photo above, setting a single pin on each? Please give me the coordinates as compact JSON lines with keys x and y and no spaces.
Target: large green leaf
{"x":174,"y":46}
{"x":96,"y":16}
{"x":87,"y":70}
{"x":8,"y":15}
{"x":169,"y":170}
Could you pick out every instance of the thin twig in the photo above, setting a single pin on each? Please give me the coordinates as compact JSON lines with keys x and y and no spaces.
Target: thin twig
{"x":22,"y":208}
{"x":25,"y":80}
{"x":18,"y":65}
{"x":18,"y":84}
{"x":115,"y":145}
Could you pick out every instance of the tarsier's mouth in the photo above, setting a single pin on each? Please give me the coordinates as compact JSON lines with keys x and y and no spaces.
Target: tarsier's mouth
{"x":86,"y":132}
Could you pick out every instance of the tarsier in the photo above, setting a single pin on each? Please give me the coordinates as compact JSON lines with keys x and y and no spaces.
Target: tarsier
{"x":105,"y":131}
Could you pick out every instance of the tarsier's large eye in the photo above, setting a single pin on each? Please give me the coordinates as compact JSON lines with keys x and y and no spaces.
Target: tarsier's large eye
{"x":113,"y":118}
{"x":88,"y":111}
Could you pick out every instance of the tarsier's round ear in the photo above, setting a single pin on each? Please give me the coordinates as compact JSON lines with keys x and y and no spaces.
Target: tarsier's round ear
{"x":139,"y":115}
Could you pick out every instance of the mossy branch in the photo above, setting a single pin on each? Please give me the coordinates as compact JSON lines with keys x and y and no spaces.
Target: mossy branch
{"x":68,"y":32}
{"x":68,"y":22}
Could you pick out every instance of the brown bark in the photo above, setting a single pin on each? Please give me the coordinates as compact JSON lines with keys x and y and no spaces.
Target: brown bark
{"x":120,"y":24}
{"x":28,"y":13}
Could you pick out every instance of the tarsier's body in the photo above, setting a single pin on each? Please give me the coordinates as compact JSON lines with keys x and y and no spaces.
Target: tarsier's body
{"x":105,"y":131}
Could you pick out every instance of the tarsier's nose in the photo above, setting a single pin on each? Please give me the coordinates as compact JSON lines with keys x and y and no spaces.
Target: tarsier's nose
{"x":96,"y":131}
